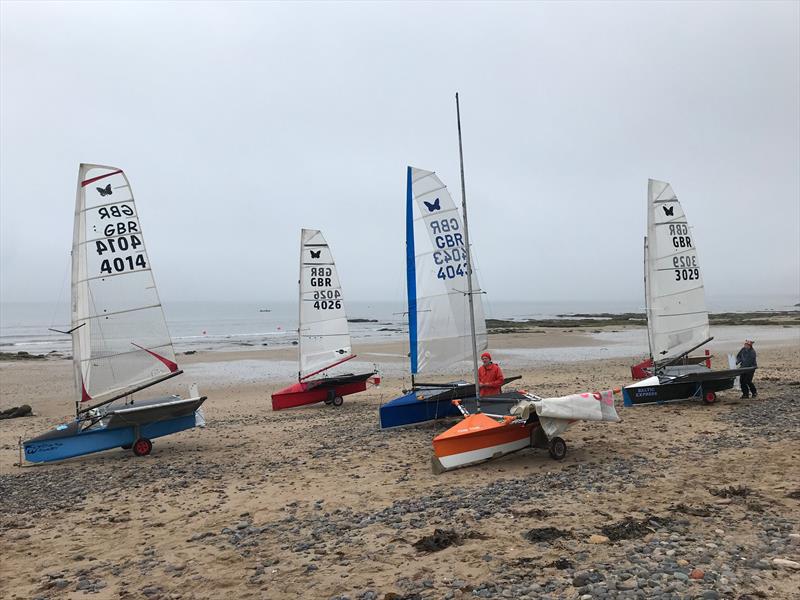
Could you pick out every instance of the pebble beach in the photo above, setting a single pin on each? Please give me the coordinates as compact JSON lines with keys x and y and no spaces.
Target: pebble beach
{"x":676,"y":501}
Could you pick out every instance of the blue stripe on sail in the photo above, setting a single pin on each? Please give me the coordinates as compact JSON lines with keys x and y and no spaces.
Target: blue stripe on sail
{"x":411,"y":274}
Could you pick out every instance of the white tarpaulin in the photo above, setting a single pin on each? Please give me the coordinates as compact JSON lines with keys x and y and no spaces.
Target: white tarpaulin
{"x":557,"y":414}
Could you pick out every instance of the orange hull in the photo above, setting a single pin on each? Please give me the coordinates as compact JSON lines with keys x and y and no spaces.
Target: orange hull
{"x":477,"y":438}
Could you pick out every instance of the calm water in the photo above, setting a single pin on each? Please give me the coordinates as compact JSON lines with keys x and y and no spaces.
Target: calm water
{"x":241,"y":325}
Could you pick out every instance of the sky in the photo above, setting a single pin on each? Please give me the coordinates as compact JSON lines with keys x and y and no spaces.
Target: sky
{"x":240,"y":123}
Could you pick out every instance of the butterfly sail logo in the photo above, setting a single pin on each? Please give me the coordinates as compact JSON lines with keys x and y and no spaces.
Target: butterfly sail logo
{"x":669,"y":210}
{"x":315,"y":253}
{"x":432,"y":206}
{"x":106,"y":191}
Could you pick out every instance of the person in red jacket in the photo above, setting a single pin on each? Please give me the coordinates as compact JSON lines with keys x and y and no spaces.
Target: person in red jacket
{"x":490,"y":376}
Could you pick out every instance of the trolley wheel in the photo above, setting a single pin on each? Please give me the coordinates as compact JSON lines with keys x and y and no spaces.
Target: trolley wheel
{"x":337,"y":401}
{"x":709,"y":397}
{"x":142,"y":447}
{"x":557,"y":448}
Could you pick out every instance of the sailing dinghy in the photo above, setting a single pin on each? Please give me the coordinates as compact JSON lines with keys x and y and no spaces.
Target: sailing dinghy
{"x":438,"y":309}
{"x":677,"y":317}
{"x":323,"y":333}
{"x":529,"y":422}
{"x":120,"y":341}
{"x":512,"y":421}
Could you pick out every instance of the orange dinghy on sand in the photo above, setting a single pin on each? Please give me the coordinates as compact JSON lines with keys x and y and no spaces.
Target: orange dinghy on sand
{"x":533,"y":421}
{"x":477,"y":438}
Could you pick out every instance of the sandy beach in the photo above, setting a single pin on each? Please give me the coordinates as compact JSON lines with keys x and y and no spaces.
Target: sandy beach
{"x":676,"y":501}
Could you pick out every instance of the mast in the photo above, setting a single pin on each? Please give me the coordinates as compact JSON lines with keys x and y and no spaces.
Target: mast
{"x":300,"y":310}
{"x":647,"y":301}
{"x":411,"y":277}
{"x":469,"y":263}
{"x":76,"y":361}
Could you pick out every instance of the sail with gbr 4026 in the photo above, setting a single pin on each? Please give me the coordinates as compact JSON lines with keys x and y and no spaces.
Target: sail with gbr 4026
{"x":323,"y":333}
{"x":120,"y":341}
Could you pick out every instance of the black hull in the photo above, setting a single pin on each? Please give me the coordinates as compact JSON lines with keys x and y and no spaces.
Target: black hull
{"x":693,"y":385}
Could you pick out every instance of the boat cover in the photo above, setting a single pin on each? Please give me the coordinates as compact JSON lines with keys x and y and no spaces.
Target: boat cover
{"x":557,"y":414}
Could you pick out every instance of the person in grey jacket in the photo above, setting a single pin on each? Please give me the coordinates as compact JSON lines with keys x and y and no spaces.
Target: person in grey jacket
{"x":747,"y":358}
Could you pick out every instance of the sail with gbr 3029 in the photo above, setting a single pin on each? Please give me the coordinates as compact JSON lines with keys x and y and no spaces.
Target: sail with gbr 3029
{"x":677,"y":317}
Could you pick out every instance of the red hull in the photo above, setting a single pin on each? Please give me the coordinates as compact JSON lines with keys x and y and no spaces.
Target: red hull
{"x":303,"y":393}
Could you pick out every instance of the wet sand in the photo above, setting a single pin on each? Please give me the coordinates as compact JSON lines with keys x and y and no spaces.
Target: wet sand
{"x":316,"y":502}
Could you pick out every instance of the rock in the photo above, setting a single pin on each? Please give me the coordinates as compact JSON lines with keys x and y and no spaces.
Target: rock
{"x":697,"y":574}
{"x":786,"y":564}
{"x":710,"y":595}
{"x":680,"y":576}
{"x":628,"y":584}
{"x":59,"y":584}
{"x":597,"y":539}
{"x":16,"y":411}
{"x":682,"y":562}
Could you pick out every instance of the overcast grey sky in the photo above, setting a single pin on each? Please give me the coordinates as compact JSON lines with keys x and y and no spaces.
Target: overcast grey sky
{"x":240,"y":123}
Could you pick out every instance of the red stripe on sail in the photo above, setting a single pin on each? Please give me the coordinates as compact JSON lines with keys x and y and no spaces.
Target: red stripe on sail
{"x":85,"y":397}
{"x":172,"y":366}
{"x":99,"y":177}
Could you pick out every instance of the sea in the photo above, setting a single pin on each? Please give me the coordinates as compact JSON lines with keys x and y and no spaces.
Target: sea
{"x":222,"y":326}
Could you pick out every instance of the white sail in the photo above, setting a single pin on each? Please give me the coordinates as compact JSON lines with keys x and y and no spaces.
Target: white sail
{"x":324,"y":334}
{"x":120,"y":337}
{"x":439,"y":322}
{"x":676,"y":305}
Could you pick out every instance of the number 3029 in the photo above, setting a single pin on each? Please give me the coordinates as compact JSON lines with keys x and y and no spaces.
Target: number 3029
{"x":687,"y":274}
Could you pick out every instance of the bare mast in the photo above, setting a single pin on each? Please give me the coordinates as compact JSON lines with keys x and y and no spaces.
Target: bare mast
{"x":470,"y":291}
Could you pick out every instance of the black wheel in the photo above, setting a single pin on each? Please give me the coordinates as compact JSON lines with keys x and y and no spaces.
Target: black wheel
{"x":557,"y":448}
{"x":709,"y":397}
{"x":338,"y":401}
{"x":142,"y":447}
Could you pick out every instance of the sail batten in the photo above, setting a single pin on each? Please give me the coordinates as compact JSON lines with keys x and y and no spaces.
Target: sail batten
{"x":677,"y":316}
{"x":323,"y":332}
{"x":439,"y":322}
{"x":123,"y":353}
{"x":113,"y":292}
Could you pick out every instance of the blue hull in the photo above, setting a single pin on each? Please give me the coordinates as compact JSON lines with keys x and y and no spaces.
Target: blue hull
{"x":98,"y":439}
{"x":408,"y":410}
